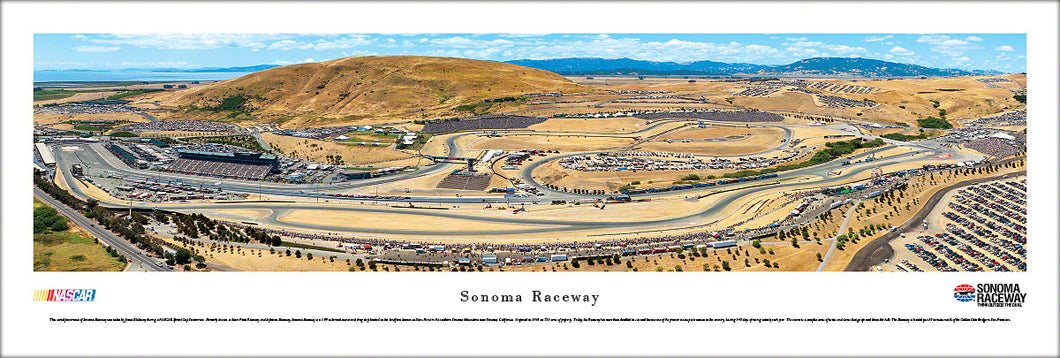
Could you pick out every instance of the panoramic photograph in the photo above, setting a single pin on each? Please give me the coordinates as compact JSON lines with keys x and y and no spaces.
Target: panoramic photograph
{"x":529,"y":152}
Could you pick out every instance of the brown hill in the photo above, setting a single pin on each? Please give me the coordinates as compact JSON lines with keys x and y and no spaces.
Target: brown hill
{"x":365,"y":89}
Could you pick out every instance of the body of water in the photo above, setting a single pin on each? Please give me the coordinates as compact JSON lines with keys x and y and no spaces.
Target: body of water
{"x":85,"y":76}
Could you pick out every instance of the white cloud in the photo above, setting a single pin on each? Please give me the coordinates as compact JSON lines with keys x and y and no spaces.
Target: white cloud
{"x":796,"y":39}
{"x":878,"y":38}
{"x":462,"y":42}
{"x":946,"y":45}
{"x":187,"y":41}
{"x":844,"y":50}
{"x":1005,"y":48}
{"x":525,"y":35}
{"x":95,"y":48}
{"x":309,"y":59}
{"x":900,"y":51}
{"x":808,"y":44}
{"x":80,"y":37}
{"x":322,"y":44}
{"x":973,"y":38}
{"x":283,"y":45}
{"x":801,"y":52}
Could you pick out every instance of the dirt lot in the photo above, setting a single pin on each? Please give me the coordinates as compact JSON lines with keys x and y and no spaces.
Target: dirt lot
{"x":603,"y":125}
{"x":740,"y":141}
{"x":562,"y":143}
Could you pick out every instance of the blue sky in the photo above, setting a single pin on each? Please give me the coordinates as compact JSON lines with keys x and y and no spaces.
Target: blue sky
{"x":1001,"y":52}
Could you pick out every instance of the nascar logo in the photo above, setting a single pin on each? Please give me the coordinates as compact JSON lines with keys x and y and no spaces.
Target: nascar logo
{"x":65,"y":295}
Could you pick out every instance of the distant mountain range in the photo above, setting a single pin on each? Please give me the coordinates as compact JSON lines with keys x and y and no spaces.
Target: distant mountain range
{"x":254,"y":68}
{"x":817,"y":66}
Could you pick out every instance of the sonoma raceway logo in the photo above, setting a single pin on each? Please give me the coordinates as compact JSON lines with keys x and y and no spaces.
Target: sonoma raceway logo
{"x":991,"y":294}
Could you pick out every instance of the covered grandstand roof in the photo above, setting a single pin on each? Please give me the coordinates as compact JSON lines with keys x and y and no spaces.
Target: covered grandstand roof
{"x":229,"y":155}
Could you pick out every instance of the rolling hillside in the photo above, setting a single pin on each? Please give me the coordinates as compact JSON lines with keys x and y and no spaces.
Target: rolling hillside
{"x":365,"y":89}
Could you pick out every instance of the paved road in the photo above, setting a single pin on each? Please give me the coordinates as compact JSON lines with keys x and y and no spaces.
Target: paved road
{"x":545,"y":225}
{"x":880,"y":249}
{"x":127,"y":249}
{"x":148,"y":116}
{"x":842,"y":229}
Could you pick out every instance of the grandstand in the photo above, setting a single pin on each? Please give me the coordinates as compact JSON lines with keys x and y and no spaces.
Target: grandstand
{"x":465,"y":181}
{"x":229,"y":165}
{"x":731,"y":116}
{"x":485,"y":122}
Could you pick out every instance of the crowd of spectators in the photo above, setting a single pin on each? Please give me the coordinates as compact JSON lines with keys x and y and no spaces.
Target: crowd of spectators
{"x":631,"y":161}
{"x":1011,"y":118}
{"x":997,"y":148}
{"x":485,"y":122}
{"x":714,"y":115}
{"x":210,"y":147}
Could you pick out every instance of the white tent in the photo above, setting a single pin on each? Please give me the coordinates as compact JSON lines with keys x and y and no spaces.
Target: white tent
{"x":342,"y":137}
{"x":1002,"y":135}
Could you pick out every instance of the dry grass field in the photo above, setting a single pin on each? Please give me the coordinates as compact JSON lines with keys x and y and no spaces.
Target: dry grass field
{"x":50,"y":118}
{"x":318,"y":150}
{"x":83,"y":96}
{"x":70,"y":250}
{"x":368,"y":88}
{"x":741,"y":258}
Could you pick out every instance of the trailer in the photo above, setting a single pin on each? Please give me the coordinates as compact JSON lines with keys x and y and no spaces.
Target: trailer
{"x":724,"y":243}
{"x":558,"y":257}
{"x":489,"y":259}
{"x":874,"y":194}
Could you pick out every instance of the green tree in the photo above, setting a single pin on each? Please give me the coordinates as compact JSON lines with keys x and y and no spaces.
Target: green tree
{"x":183,"y":256}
